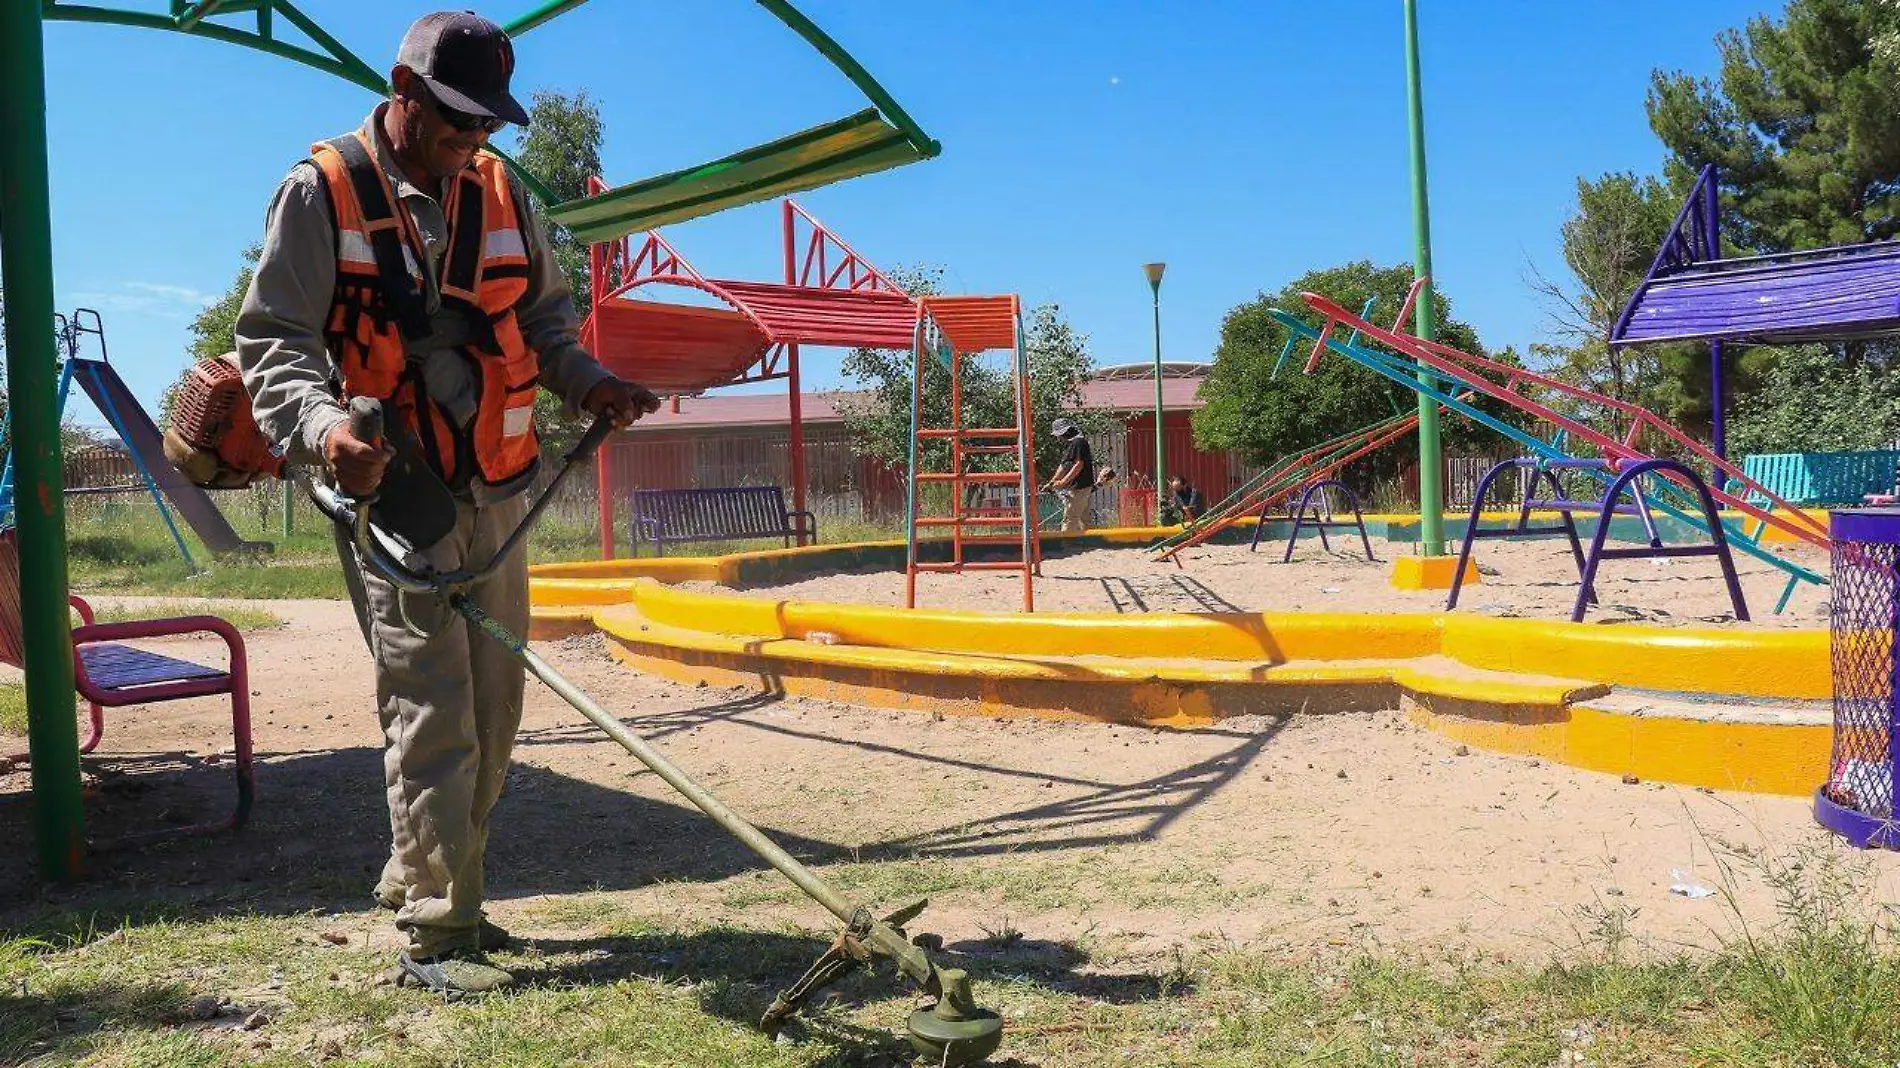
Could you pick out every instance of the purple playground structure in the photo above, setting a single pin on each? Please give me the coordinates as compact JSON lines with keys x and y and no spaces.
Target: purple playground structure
{"x":1621,"y":479}
{"x":1310,"y":515}
{"x":1692,"y":294}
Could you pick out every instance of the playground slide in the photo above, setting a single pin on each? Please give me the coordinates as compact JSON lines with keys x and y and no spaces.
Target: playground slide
{"x":141,"y":436}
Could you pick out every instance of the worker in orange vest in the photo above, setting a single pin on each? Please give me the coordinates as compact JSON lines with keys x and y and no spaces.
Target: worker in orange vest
{"x":401,"y":262}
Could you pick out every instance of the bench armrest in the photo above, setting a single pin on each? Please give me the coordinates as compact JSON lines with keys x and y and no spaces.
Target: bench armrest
{"x":161,"y":628}
{"x":79,"y":605}
{"x":810,"y":525}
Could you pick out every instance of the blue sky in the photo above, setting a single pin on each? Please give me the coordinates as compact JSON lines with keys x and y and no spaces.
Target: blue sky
{"x":1241,"y":141}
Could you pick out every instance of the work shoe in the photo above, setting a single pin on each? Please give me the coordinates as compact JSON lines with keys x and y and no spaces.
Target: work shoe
{"x":452,"y":974}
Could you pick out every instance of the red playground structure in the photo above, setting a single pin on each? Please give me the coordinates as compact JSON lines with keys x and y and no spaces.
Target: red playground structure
{"x":831,"y":296}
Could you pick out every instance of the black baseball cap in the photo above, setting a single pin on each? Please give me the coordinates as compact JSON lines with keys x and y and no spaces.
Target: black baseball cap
{"x":465,"y":60}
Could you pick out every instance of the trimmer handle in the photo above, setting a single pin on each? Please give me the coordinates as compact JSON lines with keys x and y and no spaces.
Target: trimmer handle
{"x":590,"y":442}
{"x":366,"y":420}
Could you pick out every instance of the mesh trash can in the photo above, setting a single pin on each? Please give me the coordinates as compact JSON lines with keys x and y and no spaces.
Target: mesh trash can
{"x":1857,"y":800}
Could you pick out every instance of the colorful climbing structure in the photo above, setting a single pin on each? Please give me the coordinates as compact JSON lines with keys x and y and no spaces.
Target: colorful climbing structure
{"x":953,"y":332}
{"x":1455,"y":378}
{"x":1289,"y":475}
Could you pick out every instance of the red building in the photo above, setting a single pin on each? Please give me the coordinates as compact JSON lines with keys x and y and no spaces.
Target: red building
{"x":744,"y":439}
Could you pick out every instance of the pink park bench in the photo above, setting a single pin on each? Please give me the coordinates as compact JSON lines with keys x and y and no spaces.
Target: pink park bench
{"x":109,"y":674}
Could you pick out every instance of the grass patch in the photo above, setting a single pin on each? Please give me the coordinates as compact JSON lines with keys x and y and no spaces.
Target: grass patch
{"x":239,"y":616}
{"x":648,"y":990}
{"x":121,"y":546}
{"x":12,"y":708}
{"x":604,"y":982}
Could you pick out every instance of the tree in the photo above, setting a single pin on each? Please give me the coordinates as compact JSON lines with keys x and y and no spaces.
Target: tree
{"x":562,"y":148}
{"x":1814,"y":401}
{"x":1803,"y":121}
{"x":1058,"y":359}
{"x":1804,"y":124}
{"x":213,"y":330}
{"x":1609,"y":241}
{"x":1265,"y":416}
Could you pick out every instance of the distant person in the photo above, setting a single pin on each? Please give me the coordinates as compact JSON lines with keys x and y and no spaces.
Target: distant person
{"x":1186,"y":500}
{"x":1074,"y":479}
{"x":1105,"y":476}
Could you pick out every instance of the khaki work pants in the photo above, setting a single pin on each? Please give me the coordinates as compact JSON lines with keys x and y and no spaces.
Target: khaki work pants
{"x":1075,"y":514}
{"x":450,"y":704}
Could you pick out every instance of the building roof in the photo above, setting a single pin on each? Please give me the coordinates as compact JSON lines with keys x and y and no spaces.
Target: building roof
{"x":773,"y":409}
{"x":1145,"y":370}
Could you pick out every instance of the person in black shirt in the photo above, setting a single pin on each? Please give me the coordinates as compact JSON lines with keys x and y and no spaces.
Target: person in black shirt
{"x":1074,"y":479}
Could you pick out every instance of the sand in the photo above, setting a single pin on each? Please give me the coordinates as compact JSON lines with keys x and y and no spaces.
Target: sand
{"x":1531,"y":579}
{"x":1311,"y":832}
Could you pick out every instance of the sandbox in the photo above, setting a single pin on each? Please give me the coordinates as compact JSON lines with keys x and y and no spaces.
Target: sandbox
{"x":1530,"y":579}
{"x":1660,"y":682}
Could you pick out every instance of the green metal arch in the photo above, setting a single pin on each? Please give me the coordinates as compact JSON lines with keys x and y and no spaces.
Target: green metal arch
{"x":832,"y":152}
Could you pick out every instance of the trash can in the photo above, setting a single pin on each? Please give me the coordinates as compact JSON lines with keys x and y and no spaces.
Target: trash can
{"x":1856,"y":802}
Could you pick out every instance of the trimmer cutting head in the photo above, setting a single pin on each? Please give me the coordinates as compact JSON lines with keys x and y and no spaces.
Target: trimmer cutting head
{"x":955,"y":1031}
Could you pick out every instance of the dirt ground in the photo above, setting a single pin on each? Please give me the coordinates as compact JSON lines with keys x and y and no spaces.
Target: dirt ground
{"x":1322,"y":830}
{"x":1535,"y":579}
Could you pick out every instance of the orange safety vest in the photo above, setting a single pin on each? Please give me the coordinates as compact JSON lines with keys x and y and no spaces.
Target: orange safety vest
{"x":378,"y":304}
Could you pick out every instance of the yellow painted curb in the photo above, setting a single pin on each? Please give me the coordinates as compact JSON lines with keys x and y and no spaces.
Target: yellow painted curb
{"x":1782,"y":664}
{"x":1228,"y":636}
{"x":1429,"y":572}
{"x":1773,"y":758}
{"x":1103,"y":688}
{"x":1778,"y":664}
{"x":1502,"y":684}
{"x":550,"y":624}
{"x":665,"y":569}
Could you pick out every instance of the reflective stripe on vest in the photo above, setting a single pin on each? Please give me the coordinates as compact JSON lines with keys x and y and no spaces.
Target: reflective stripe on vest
{"x":378,"y":302}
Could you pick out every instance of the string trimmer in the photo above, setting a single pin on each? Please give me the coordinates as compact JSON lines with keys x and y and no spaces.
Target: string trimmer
{"x":951,"y":1031}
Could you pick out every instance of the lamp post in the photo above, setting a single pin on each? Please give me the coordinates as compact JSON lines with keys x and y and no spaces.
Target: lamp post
{"x":1154,"y":271}
{"x":1431,"y":490}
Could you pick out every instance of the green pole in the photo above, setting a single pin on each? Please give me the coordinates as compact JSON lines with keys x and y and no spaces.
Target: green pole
{"x":1154,"y":271}
{"x":1431,"y":490}
{"x":26,"y":260}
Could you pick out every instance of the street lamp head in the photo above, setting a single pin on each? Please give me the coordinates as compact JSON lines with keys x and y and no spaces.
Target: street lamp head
{"x":1153,"y":271}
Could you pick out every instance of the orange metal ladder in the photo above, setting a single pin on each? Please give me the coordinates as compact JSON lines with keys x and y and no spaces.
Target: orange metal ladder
{"x":952,"y":331}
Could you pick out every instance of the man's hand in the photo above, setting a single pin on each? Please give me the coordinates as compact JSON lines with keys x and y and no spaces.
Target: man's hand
{"x":358,"y":465}
{"x":622,"y":401}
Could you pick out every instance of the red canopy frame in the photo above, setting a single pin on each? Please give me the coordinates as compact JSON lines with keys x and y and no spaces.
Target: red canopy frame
{"x":831,"y":296}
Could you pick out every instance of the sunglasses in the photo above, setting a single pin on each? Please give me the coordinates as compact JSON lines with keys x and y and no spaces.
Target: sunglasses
{"x":462,"y":120}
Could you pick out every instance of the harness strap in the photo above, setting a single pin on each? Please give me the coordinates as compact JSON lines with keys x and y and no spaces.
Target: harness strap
{"x":385,"y":236}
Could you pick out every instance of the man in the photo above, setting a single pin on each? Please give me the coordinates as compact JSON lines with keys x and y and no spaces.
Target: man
{"x":1075,"y":476}
{"x":402,"y":263}
{"x":1189,"y":503}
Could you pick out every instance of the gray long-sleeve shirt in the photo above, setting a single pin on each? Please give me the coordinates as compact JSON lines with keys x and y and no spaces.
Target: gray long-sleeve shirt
{"x":288,"y":369}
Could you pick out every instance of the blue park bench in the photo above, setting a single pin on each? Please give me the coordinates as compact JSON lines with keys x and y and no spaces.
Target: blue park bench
{"x":720,"y":513}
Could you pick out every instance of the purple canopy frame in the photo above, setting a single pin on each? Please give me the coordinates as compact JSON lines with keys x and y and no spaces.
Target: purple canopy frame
{"x":1692,"y":294}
